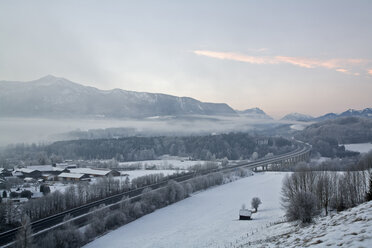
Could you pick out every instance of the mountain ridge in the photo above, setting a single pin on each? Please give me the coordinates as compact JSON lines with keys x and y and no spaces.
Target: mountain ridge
{"x":55,"y":96}
{"x":297,"y":117}
{"x":256,"y":113}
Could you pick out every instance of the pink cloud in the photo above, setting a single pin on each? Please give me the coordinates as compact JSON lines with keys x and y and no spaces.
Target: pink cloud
{"x":336,"y":64}
{"x":342,"y":70}
{"x":237,"y":57}
{"x":369,"y":71}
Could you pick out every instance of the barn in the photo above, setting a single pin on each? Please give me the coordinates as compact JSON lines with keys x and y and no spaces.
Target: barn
{"x":95,"y":172}
{"x":64,"y":176}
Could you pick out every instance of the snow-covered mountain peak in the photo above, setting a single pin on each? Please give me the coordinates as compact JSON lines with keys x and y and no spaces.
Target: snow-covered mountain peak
{"x":297,"y":117}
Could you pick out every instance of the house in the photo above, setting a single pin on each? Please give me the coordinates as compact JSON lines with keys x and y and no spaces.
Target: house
{"x":48,"y":177}
{"x":262,"y":141}
{"x":27,"y":173}
{"x":46,"y":172}
{"x":5,"y":172}
{"x":65,"y":176}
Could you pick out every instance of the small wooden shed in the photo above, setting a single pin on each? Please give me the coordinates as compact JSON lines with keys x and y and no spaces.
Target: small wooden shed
{"x":245,"y":214}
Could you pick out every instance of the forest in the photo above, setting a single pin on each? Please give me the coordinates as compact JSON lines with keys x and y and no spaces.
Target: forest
{"x":232,"y":146}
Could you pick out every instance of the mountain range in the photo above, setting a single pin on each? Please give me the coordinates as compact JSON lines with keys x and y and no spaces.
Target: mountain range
{"x":52,"y":96}
{"x":58,"y":97}
{"x":367,"y":113}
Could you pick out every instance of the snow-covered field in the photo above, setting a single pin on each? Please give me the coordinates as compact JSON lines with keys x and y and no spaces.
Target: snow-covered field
{"x":350,"y":228}
{"x":164,"y":163}
{"x":361,"y":147}
{"x":298,"y":127}
{"x":139,"y":173}
{"x":319,"y":160}
{"x":206,"y":219}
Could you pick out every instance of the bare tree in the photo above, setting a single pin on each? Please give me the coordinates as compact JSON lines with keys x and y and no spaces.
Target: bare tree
{"x":324,"y":189}
{"x":255,"y":203}
{"x":369,"y":192}
{"x":24,"y":235}
{"x":303,"y":206}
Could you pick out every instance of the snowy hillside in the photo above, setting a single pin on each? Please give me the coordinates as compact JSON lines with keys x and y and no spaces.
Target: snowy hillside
{"x":206,"y":219}
{"x":58,"y":97}
{"x":350,"y":228}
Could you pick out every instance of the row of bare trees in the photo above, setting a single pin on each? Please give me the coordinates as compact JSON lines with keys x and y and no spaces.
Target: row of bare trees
{"x":305,"y":193}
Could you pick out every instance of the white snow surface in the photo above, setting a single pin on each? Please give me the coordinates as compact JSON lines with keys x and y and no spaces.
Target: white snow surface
{"x":361,"y":147}
{"x":298,"y":127}
{"x":206,"y":219}
{"x":350,"y":228}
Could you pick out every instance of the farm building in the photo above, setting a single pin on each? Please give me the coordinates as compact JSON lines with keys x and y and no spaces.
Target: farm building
{"x":95,"y":172}
{"x":48,"y":169}
{"x":65,"y":176}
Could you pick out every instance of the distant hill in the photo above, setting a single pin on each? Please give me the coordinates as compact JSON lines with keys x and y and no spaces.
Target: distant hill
{"x":254,"y":113}
{"x":367,"y":112}
{"x":325,"y":136}
{"x":58,"y":97}
{"x":298,"y":117}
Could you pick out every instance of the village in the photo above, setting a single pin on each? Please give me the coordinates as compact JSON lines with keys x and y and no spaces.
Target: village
{"x":29,"y":182}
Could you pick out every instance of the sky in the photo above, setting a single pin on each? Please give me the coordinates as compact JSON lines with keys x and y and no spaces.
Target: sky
{"x":311,"y":57}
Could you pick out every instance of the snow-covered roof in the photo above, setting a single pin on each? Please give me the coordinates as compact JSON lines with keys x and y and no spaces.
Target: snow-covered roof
{"x":26,"y":170}
{"x":70,"y":175}
{"x":43,"y":168}
{"x":90,"y":171}
{"x":66,"y":165}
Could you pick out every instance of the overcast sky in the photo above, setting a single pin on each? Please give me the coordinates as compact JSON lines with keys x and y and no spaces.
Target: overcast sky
{"x":311,"y":57}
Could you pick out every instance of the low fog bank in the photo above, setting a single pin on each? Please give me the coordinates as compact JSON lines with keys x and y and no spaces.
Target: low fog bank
{"x":36,"y":130}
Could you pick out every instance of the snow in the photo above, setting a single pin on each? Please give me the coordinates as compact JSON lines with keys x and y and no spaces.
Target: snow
{"x":139,"y":173}
{"x":90,"y":171}
{"x":164,"y":163}
{"x":350,"y":228}
{"x":298,"y":127}
{"x":70,"y":175}
{"x":361,"y":147}
{"x":206,"y":219}
{"x":61,"y":187}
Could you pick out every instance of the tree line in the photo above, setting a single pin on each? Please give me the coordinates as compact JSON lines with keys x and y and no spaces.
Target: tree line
{"x":232,"y":146}
{"x":326,"y":136}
